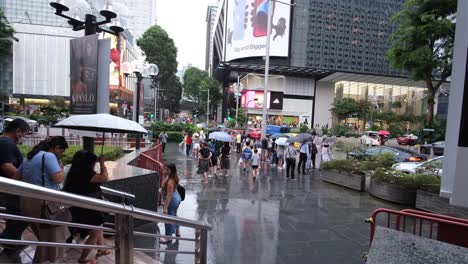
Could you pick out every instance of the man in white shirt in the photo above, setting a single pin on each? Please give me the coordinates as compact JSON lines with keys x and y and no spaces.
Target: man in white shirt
{"x":290,"y":157}
{"x":303,"y":149}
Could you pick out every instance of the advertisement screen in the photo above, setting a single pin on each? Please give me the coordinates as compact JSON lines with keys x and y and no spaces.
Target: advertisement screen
{"x":254,"y":99}
{"x":247,"y":28}
{"x":83,"y":75}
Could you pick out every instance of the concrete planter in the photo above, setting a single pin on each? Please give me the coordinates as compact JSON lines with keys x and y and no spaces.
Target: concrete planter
{"x":392,"y":192}
{"x":438,"y":205}
{"x":345,"y":179}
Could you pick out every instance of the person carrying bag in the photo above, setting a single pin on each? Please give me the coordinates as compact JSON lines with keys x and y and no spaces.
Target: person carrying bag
{"x":43,"y":168}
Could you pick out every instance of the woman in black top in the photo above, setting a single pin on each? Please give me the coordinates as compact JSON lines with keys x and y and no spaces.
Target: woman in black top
{"x":83,"y":180}
{"x":225,"y":157}
{"x":204,"y":160}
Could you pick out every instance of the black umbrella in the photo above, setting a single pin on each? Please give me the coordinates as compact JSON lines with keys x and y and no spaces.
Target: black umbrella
{"x":303,"y":137}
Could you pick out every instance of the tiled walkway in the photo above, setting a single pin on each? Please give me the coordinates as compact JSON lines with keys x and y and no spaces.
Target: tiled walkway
{"x":272,"y":220}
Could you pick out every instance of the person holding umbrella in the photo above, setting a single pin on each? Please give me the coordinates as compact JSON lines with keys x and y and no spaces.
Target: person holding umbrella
{"x":303,"y":150}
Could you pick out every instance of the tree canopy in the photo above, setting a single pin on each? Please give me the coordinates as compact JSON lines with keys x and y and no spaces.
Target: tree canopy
{"x":423,"y":43}
{"x":6,"y":35}
{"x":196,"y":84}
{"x":348,"y":107}
{"x":160,"y":49}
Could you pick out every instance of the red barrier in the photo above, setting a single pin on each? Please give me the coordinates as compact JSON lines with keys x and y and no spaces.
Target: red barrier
{"x":443,"y":228}
{"x":152,"y":159}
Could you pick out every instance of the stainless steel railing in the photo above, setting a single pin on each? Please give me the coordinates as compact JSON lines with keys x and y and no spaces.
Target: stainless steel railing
{"x":123,"y":230}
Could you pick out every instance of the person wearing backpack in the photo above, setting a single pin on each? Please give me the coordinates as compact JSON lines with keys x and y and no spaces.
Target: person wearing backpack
{"x":171,"y":202}
{"x":303,"y":150}
{"x":314,"y":152}
{"x":246,"y":156}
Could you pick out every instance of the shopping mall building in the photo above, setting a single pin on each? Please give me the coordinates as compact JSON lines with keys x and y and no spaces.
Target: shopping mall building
{"x":321,"y":51}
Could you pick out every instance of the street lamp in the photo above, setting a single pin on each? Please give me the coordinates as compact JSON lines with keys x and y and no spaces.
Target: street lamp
{"x":238,"y":87}
{"x":90,"y":24}
{"x":247,"y":106}
{"x":207,"y":107}
{"x":141,"y":71}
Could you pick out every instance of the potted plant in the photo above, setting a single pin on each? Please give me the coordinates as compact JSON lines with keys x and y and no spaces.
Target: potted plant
{"x":345,"y":173}
{"x":399,"y":187}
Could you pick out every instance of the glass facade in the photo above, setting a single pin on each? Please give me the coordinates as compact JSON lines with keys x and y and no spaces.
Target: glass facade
{"x":344,"y":35}
{"x":389,"y":98}
{"x":37,"y":12}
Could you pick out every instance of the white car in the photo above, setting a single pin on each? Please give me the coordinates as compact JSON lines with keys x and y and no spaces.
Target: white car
{"x":370,"y":138}
{"x":432,"y":166}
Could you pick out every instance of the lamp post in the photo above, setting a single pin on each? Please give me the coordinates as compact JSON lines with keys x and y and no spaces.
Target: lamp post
{"x":90,"y":26}
{"x":141,"y":71}
{"x":267,"y":61}
{"x":247,"y":107}
{"x":238,"y":87}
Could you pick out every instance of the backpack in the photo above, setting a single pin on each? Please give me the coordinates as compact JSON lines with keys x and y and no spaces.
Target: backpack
{"x":314,"y":149}
{"x":181,"y":191}
{"x":247,"y":153}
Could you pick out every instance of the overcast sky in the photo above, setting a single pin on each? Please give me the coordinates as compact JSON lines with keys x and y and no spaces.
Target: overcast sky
{"x":184,"y":21}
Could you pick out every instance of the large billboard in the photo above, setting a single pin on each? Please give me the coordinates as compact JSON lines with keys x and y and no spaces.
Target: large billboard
{"x":247,"y":28}
{"x":83,"y":75}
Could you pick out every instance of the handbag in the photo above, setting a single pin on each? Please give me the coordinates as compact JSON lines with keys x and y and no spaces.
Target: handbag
{"x":181,"y":191}
{"x":53,"y":210}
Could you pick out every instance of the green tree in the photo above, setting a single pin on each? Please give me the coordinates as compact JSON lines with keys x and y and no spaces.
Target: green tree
{"x":196,"y":85}
{"x":423,"y":43}
{"x":6,"y":35}
{"x":171,"y":98}
{"x":160,"y":49}
{"x":345,"y":108}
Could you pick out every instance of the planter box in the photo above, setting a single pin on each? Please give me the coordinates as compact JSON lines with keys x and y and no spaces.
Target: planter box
{"x":346,"y":179}
{"x":392,"y":192}
{"x":438,"y":205}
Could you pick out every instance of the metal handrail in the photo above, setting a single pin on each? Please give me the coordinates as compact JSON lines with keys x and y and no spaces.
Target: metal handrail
{"x":38,"y":192}
{"x":125,"y":195}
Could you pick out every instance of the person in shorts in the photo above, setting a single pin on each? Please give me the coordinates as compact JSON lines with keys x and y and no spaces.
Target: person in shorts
{"x":204,"y":161}
{"x":246,"y":156}
{"x":255,"y":164}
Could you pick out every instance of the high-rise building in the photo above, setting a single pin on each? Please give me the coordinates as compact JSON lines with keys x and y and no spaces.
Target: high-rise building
{"x":141,"y":16}
{"x":210,"y":27}
{"x":320,"y":51}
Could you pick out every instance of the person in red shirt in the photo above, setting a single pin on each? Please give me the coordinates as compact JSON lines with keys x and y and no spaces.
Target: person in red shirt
{"x":188,"y":144}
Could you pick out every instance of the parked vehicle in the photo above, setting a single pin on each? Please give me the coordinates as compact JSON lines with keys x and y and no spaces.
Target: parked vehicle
{"x":433,"y":166}
{"x":370,"y":138}
{"x":401,"y":154}
{"x":437,"y":146}
{"x":254,"y":133}
{"x":271,"y":129}
{"x":407,"y":139}
{"x":32,"y":123}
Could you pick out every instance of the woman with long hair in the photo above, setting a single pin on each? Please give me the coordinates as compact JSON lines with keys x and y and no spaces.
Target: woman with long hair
{"x":43,"y":167}
{"x":83,"y":180}
{"x":172,"y":200}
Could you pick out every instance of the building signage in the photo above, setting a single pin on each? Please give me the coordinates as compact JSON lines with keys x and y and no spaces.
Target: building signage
{"x":83,"y":75}
{"x":276,"y":100}
{"x":247,"y":28}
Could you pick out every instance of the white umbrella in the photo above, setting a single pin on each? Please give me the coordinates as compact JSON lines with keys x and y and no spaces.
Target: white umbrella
{"x":101,"y":123}
{"x":220,"y":136}
{"x":282,"y":141}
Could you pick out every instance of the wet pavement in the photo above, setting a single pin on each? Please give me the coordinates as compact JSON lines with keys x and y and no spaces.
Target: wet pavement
{"x":272,"y":220}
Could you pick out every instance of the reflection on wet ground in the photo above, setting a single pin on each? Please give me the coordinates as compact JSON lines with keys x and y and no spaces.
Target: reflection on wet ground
{"x":271,"y":220}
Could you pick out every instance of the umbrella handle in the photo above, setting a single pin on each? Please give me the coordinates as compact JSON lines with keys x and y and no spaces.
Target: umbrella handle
{"x":103,"y":140}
